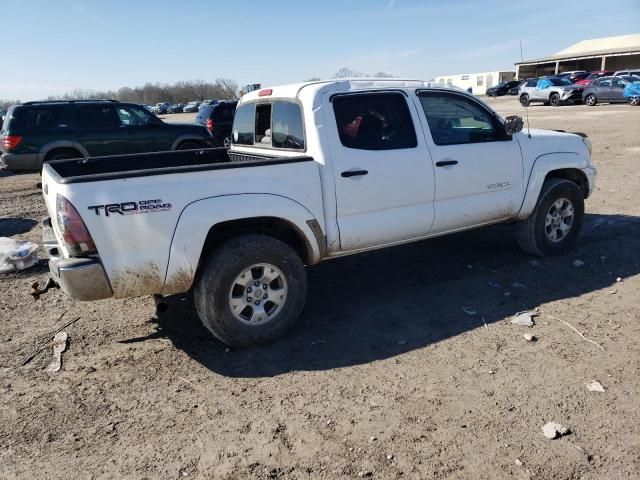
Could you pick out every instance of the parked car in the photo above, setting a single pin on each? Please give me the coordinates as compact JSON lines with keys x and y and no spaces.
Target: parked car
{"x":549,"y":90}
{"x":161,"y":108}
{"x":594,"y":76}
{"x":3,"y":113}
{"x":176,"y":108}
{"x":502,"y":88}
{"x":191,"y":107}
{"x":607,"y":90}
{"x":634,"y":72}
{"x":514,"y":90}
{"x":207,"y":102}
{"x":573,"y":75}
{"x":37,"y":132}
{"x":236,"y":227}
{"x":218,"y":119}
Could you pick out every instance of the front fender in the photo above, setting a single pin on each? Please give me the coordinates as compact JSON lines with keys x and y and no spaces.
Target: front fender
{"x":199,"y":217}
{"x":540,"y":169}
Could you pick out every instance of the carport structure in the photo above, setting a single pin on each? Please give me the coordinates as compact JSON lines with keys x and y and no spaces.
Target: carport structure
{"x":609,"y":53}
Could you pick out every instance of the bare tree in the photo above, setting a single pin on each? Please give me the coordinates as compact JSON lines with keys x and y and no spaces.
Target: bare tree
{"x":150,"y":93}
{"x":382,"y":75}
{"x":345,"y":72}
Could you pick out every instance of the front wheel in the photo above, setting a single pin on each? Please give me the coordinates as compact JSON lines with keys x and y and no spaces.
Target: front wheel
{"x":524,"y":100}
{"x":554,"y":100}
{"x":251,"y":291}
{"x":554,"y":224}
{"x":590,"y":100}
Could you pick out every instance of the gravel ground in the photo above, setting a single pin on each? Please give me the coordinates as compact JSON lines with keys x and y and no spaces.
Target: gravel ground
{"x":385,"y":376}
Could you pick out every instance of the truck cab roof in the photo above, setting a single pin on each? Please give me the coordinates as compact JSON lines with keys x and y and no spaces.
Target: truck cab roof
{"x":342,"y":85}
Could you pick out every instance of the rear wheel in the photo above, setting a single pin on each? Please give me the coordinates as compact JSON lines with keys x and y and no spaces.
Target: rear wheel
{"x":554,"y":224}
{"x":590,"y":100}
{"x":554,"y":99}
{"x":251,"y":291}
{"x":190,"y":145}
{"x":524,"y":100}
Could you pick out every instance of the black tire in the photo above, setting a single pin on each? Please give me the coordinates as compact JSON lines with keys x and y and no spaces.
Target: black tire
{"x":590,"y":100}
{"x":524,"y":100}
{"x":62,"y":155}
{"x":554,"y":99}
{"x":218,"y":276}
{"x":190,"y":145}
{"x":531,"y":233}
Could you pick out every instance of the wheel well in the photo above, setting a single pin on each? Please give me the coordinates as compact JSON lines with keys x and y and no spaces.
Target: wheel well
{"x":271,"y":226}
{"x":56,"y":151}
{"x":576,"y":176}
{"x":201,"y":143}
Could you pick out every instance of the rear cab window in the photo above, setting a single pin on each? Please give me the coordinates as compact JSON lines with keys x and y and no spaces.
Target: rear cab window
{"x":276,"y":124}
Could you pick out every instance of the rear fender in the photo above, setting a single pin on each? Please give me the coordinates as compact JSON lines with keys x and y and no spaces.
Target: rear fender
{"x":199,"y":217}
{"x":187,"y":136}
{"x":542,"y":166}
{"x":61,"y":144}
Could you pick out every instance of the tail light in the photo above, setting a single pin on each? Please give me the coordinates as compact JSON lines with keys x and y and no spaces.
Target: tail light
{"x":74,"y":232}
{"x":11,"y":141}
{"x":211,"y":125}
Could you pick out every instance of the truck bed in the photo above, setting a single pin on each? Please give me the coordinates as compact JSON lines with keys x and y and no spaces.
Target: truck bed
{"x":156,"y":163}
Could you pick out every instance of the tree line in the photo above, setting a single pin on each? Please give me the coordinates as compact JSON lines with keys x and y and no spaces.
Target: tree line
{"x":179,"y":92}
{"x":151,"y":93}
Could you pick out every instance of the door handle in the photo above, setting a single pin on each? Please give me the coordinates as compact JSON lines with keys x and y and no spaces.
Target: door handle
{"x":354,"y":173}
{"x":445,"y":163}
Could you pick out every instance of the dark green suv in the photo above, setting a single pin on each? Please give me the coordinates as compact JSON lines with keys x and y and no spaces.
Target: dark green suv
{"x":36,"y":132}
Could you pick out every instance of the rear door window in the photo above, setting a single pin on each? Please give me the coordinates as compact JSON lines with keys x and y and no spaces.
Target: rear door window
{"x":95,"y":117}
{"x":374,"y":121}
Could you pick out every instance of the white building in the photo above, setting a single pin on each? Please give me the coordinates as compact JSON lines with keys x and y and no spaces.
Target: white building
{"x":479,"y":82}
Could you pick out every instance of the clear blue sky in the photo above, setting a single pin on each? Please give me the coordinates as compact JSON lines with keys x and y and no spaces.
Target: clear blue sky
{"x":53,"y":46}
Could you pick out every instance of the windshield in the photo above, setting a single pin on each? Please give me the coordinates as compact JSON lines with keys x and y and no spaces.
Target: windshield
{"x":559,"y":81}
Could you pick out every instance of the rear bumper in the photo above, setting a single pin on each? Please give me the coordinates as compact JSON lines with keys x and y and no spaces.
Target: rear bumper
{"x":25,"y":161}
{"x":80,"y":278}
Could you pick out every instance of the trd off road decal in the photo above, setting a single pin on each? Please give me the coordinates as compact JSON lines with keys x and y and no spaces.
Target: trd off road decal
{"x":131,"y":208}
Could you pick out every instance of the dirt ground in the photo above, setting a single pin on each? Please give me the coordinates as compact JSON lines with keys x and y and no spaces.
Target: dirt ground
{"x":385,"y":376}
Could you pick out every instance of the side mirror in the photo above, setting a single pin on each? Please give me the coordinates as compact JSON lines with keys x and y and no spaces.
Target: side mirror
{"x":513,"y":124}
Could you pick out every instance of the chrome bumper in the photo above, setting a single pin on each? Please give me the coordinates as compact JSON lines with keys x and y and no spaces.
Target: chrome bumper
{"x":80,"y":278}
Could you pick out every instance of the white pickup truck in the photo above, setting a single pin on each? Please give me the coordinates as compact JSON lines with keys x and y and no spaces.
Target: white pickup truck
{"x":315,"y":171}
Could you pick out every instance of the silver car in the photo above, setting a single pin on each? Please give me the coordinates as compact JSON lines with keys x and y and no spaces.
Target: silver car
{"x":552,"y":91}
{"x":608,"y":90}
